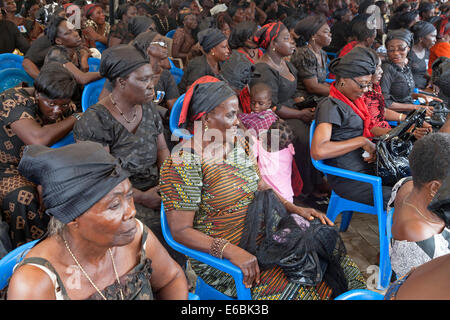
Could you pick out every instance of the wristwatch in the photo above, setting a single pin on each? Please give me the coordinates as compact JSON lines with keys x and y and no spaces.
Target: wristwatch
{"x":77,"y":116}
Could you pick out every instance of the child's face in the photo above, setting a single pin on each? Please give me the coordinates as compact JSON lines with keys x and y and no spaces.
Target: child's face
{"x":261,"y":101}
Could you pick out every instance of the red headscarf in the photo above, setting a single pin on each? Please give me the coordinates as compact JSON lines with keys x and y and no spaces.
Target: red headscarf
{"x":267,"y":33}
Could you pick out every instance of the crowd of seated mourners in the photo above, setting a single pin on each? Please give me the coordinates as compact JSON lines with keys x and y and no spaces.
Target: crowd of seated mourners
{"x":255,"y":74}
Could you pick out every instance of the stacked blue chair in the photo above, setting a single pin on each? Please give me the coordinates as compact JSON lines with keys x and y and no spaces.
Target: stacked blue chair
{"x":91,"y":92}
{"x":174,"y":117}
{"x":12,"y":77}
{"x":177,"y":73}
{"x":347,"y":207}
{"x":100,"y":46}
{"x":94,"y":64}
{"x":360,"y":294}
{"x":203,"y":290}
{"x":170,"y":34}
{"x":8,"y":262}
{"x":10,"y":60}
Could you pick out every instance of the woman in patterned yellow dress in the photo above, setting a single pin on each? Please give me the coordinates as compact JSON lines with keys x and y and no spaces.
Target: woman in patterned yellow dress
{"x":206,"y":196}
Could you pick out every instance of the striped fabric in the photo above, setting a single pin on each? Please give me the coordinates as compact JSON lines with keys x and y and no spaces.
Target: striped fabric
{"x":220,"y":194}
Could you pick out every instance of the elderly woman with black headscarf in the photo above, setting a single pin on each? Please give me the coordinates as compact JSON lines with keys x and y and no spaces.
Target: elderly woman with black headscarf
{"x":127,"y":123}
{"x":209,"y":196}
{"x":114,"y":255}
{"x":183,"y":38}
{"x":343,"y":127}
{"x":215,"y":46}
{"x":424,"y":38}
{"x":281,"y":76}
{"x":397,"y":83}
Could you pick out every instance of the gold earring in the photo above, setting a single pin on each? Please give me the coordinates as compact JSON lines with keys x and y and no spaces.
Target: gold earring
{"x":206,"y":128}
{"x":212,"y":53}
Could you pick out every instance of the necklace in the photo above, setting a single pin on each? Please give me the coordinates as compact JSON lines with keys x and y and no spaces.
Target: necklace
{"x":89,"y":278}
{"x":165,"y":27}
{"x":420,"y":213}
{"x":120,"y":111}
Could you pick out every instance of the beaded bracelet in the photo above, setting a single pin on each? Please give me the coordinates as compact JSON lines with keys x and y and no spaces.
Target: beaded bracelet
{"x":217,"y":247}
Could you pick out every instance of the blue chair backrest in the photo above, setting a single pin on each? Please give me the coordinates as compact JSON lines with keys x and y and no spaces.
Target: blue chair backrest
{"x":91,"y":92}
{"x":224,"y":265}
{"x":8,"y":262}
{"x":12,"y":77}
{"x":94,"y":64}
{"x":10,"y":60}
{"x":360,"y":294}
{"x":174,"y":117}
{"x":69,"y":139}
{"x":100,"y":46}
{"x":177,"y":73}
{"x":170,"y":33}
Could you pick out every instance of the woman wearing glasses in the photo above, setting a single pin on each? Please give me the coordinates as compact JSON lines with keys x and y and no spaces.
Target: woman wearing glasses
{"x":344,"y":125}
{"x":39,"y":115}
{"x":397,"y":83}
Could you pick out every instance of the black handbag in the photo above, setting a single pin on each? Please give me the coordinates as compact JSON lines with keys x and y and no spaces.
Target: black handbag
{"x":393,"y":149}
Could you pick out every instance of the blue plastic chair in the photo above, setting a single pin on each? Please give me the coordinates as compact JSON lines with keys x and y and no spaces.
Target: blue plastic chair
{"x":8,"y":262}
{"x":10,"y":60}
{"x":174,"y":117}
{"x":339,"y":205}
{"x":203,"y":290}
{"x":91,"y":92}
{"x":12,"y":77}
{"x":330,"y":80}
{"x":360,"y":294}
{"x":177,"y":73}
{"x":94,"y":64}
{"x":100,"y":46}
{"x":170,"y":34}
{"x":331,"y":55}
{"x":69,"y":139}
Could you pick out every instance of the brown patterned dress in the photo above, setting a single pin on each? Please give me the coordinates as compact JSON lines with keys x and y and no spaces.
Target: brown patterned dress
{"x":18,"y":196}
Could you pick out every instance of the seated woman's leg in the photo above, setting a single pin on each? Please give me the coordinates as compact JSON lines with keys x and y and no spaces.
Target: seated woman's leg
{"x":361,"y":192}
{"x":20,"y":208}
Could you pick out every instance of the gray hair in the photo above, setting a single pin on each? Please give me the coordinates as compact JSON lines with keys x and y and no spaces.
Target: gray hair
{"x":55,"y":227}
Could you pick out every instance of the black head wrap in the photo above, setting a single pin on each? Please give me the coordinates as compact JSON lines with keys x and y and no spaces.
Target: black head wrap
{"x":440,"y":204}
{"x":358,"y":62}
{"x":268,"y":33}
{"x":143,"y":40}
{"x":402,"y":34}
{"x":139,"y":24}
{"x":402,"y":19}
{"x":237,"y":71}
{"x":209,"y":38}
{"x":73,"y":177}
{"x":120,"y":61}
{"x":308,"y":27}
{"x":203,"y":96}
{"x":122,"y":9}
{"x":421,"y":29}
{"x":425,"y":6}
{"x":441,"y":75}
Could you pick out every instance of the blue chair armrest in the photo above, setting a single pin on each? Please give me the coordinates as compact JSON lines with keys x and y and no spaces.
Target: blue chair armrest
{"x":374,"y":180}
{"x":220,"y":264}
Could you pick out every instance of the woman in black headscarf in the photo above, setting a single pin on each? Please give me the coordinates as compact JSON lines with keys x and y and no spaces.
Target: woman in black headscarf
{"x":424,"y":38}
{"x":397,"y":83}
{"x":127,"y":123}
{"x":139,"y":24}
{"x":119,"y":33}
{"x":310,"y":59}
{"x":208,"y":198}
{"x":89,"y":198}
{"x":343,"y":125}
{"x":281,"y":76}
{"x":39,"y":115}
{"x":215,"y":47}
{"x":184,"y":36}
